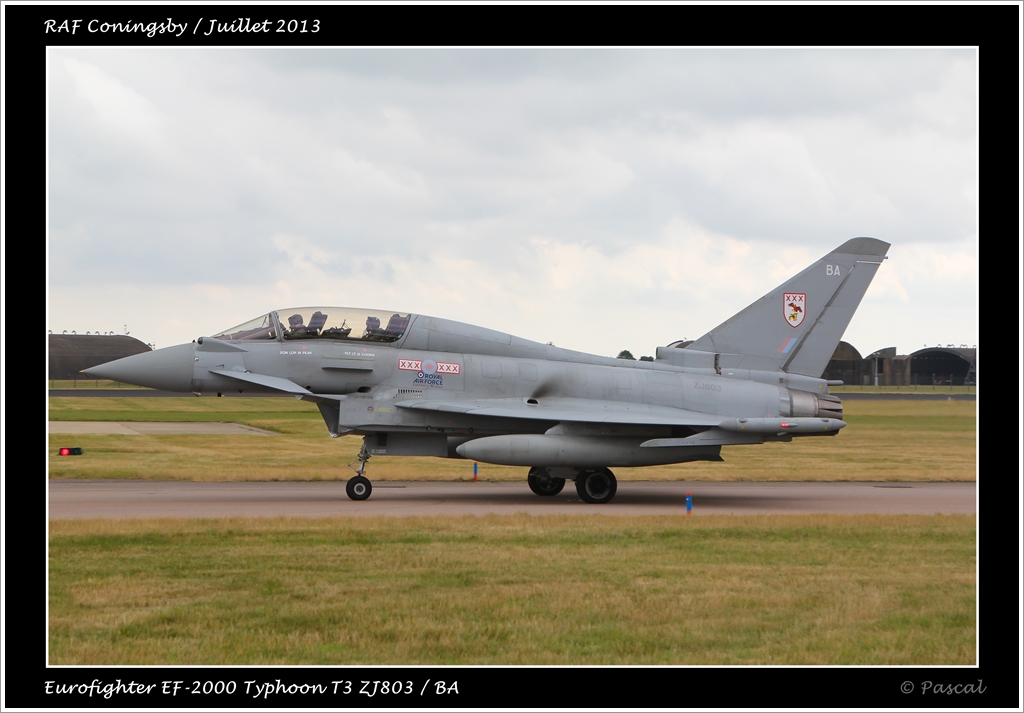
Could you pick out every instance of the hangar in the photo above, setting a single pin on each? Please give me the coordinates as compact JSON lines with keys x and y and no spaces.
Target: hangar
{"x":70,"y":353}
{"x":931,"y":366}
{"x":942,"y":365}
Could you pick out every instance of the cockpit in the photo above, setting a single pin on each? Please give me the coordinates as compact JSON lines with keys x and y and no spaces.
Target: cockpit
{"x":343,"y":323}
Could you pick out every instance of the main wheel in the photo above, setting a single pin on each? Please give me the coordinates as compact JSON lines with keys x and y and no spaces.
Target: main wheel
{"x":596,"y":486}
{"x":542,"y":483}
{"x":358,"y":488}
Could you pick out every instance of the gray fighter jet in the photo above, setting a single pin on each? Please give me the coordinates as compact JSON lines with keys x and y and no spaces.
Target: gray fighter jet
{"x":414,"y":385}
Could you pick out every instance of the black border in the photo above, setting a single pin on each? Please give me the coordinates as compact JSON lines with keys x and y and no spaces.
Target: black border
{"x":993,"y":28}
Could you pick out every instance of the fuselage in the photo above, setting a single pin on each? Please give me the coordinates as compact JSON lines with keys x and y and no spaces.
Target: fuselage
{"x":369,"y":384}
{"x":374,"y":377}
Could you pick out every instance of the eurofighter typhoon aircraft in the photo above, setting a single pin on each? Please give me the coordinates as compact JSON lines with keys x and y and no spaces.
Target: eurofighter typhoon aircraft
{"x":414,"y":385}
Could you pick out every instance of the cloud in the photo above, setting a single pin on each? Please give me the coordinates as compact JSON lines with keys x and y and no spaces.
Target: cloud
{"x":584,"y":196}
{"x":117,"y":108}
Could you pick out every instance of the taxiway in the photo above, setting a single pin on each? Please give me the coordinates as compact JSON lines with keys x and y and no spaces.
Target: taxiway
{"x":147,"y":499}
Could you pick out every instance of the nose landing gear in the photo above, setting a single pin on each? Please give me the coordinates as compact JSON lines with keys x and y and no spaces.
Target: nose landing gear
{"x":359,"y":486}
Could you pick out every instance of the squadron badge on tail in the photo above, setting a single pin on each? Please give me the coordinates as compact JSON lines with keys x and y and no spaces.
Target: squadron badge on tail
{"x":793,"y":307}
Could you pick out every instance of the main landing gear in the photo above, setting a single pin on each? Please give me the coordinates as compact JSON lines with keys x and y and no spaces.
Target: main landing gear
{"x":542,"y":483}
{"x":358,"y":486}
{"x":593,"y":485}
{"x":596,"y":486}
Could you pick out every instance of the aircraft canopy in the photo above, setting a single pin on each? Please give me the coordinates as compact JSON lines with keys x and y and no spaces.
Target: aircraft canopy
{"x":347,"y":323}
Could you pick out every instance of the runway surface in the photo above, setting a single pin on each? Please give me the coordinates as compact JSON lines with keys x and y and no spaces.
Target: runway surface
{"x":144,"y":499}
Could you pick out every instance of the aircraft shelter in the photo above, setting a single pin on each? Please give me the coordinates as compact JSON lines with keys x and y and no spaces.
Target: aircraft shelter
{"x":931,"y":366}
{"x":70,"y":353}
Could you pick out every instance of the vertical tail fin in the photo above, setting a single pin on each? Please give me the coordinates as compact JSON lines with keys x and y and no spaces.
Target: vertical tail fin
{"x":797,"y":326}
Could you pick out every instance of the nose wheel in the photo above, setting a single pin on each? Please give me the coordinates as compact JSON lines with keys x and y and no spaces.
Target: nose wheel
{"x":359,"y":486}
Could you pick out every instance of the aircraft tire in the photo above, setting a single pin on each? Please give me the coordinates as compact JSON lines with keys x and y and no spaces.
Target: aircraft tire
{"x":358,"y":488}
{"x":596,"y":486}
{"x":543,"y":484}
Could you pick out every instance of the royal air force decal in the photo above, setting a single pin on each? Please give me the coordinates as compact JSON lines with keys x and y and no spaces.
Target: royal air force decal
{"x":429,"y":367}
{"x":794,"y":307}
{"x":428,"y":372}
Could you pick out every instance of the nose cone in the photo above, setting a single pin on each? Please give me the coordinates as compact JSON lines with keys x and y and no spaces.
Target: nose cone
{"x":170,"y":369}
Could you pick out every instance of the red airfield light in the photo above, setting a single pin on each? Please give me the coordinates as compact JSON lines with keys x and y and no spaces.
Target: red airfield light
{"x":70,"y":451}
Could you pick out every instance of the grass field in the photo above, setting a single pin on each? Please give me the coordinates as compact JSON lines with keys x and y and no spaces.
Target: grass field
{"x":825,"y":589}
{"x":515,"y":590}
{"x":885,"y":441}
{"x":91,"y":384}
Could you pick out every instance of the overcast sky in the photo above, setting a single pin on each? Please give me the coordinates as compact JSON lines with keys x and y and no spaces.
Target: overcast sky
{"x":599,"y":199}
